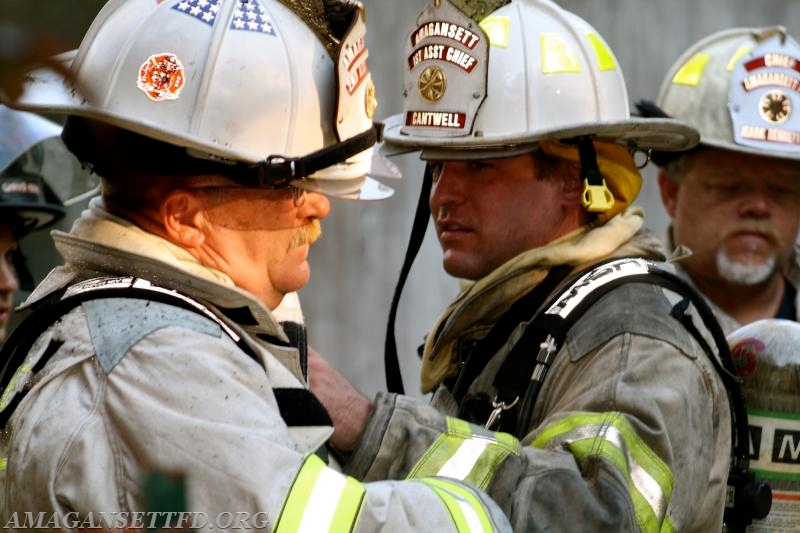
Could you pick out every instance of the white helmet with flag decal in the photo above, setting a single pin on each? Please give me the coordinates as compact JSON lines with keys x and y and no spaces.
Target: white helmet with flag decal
{"x":739,"y":87}
{"x":169,"y":75}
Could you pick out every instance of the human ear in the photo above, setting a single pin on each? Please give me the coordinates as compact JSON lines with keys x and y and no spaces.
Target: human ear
{"x":669,"y":192}
{"x":572,"y":185}
{"x":183,"y":219}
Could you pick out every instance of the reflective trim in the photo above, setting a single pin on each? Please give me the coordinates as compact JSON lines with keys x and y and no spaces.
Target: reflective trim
{"x":23,"y":371}
{"x":611,"y":437}
{"x":557,"y":56}
{"x":466,"y":510}
{"x":605,"y":59}
{"x":691,"y":73}
{"x":466,"y":452}
{"x":320,"y":499}
{"x":3,"y":464}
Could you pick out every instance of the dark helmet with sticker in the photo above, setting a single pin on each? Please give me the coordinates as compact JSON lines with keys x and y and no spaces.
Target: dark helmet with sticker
{"x":26,"y":199}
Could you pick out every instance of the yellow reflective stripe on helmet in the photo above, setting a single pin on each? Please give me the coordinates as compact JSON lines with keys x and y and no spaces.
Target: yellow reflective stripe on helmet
{"x":497,"y":30}
{"x":692,"y":71}
{"x":557,"y":56}
{"x":320,"y":499}
{"x":742,"y":50}
{"x":611,"y":437}
{"x":467,"y":452}
{"x":466,"y":510}
{"x":605,"y":59}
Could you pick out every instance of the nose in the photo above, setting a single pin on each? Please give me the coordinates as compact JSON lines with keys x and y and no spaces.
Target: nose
{"x":8,"y":278}
{"x":448,"y":184}
{"x":755,"y":204}
{"x":316,"y":206}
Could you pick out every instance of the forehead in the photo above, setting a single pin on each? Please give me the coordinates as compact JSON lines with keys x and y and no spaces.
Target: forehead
{"x":714,"y":161}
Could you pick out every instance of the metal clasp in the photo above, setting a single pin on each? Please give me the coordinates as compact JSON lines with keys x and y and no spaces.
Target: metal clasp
{"x":499,"y":407}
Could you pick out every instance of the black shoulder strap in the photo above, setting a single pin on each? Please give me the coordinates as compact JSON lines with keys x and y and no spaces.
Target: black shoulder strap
{"x":482,"y":350}
{"x":48,"y":311}
{"x":521,"y":376}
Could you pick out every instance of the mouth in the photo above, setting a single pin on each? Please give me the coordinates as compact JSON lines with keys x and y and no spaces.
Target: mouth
{"x":307,"y":234}
{"x":447,"y":228}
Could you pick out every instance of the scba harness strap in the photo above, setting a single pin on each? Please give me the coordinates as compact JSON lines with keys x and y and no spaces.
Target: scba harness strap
{"x":298,"y":406}
{"x":521,"y":376}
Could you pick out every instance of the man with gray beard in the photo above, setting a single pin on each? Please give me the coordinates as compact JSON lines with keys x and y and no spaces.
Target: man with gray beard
{"x":734,"y":200}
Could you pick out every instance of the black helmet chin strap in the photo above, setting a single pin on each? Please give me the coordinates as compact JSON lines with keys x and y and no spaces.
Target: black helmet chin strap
{"x":394,"y":378}
{"x":278,"y":171}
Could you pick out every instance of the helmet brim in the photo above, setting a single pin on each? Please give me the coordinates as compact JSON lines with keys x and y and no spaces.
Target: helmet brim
{"x":643,"y":133}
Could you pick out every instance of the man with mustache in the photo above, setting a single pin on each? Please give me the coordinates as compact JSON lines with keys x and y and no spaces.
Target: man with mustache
{"x":171,"y":342}
{"x":734,"y":200}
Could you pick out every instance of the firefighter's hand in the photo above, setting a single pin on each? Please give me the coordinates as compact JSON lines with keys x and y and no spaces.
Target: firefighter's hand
{"x":348,"y":408}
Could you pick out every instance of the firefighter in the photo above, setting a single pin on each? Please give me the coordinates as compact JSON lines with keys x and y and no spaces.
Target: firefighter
{"x":27,"y":202}
{"x":734,"y":201}
{"x":218,"y":127}
{"x":520,"y":110}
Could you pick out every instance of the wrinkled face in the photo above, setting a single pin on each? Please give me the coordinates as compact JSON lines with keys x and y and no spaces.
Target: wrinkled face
{"x":260,"y":237}
{"x":8,"y":278}
{"x":489,"y":211}
{"x":738,"y":213}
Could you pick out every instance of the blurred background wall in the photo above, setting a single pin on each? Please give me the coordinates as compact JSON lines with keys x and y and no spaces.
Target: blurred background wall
{"x":356,"y":263}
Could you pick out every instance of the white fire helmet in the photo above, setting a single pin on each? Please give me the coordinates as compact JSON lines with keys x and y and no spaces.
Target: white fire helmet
{"x":526,"y":71}
{"x":244,"y":83}
{"x":740,"y":88}
{"x":26,"y":199}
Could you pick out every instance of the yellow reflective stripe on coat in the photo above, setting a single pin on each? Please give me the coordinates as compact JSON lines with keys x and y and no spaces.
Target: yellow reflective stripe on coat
{"x":466,"y":510}
{"x":320,"y":499}
{"x":611,"y":437}
{"x":23,"y":371}
{"x":466,"y":451}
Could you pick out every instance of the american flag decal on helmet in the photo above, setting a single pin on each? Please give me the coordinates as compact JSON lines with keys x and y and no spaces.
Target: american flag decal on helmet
{"x":249,"y":15}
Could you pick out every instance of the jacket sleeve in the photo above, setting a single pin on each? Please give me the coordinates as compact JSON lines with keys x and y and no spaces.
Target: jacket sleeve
{"x":639,"y":446}
{"x":195,"y":404}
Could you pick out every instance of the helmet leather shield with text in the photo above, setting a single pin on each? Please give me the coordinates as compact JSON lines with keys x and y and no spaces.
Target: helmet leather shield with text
{"x":526,"y":72}
{"x":741,"y":89}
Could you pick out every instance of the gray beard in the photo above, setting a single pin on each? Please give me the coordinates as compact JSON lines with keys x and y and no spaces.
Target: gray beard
{"x":742,"y":273}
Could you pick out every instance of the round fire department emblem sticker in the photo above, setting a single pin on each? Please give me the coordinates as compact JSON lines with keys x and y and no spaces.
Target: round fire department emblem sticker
{"x":432,"y":84}
{"x":746,"y":353}
{"x":775,"y":107}
{"x":161,"y":77}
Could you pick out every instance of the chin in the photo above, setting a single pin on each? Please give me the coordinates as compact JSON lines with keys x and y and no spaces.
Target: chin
{"x":746,"y":273}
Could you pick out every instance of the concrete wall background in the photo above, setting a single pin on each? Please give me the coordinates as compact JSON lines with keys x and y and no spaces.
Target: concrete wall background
{"x":356,"y":263}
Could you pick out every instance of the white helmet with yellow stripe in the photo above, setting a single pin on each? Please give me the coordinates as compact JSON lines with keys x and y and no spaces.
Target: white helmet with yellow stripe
{"x":248,"y":85}
{"x":740,"y":89}
{"x":497,"y":78}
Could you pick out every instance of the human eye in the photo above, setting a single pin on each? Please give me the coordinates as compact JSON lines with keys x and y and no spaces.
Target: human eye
{"x":9,"y":255}
{"x":436,"y":168}
{"x":723,"y":186}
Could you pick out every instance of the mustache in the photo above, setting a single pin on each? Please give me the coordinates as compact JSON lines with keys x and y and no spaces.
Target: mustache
{"x":755,"y":226}
{"x":306,"y":234}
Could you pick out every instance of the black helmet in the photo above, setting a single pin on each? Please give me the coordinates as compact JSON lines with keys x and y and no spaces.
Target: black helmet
{"x":25,"y":197}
